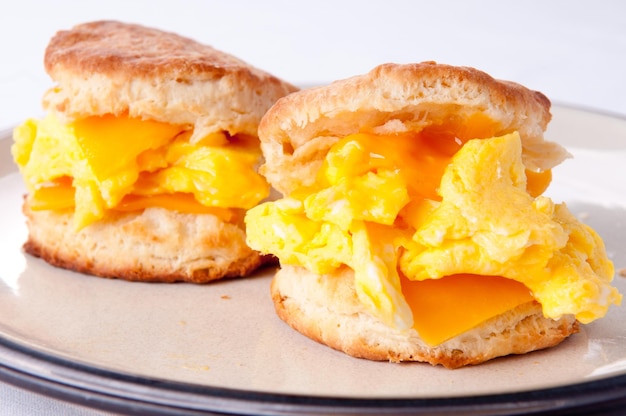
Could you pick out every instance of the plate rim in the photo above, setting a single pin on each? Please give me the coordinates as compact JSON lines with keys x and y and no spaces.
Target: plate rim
{"x":151,"y":394}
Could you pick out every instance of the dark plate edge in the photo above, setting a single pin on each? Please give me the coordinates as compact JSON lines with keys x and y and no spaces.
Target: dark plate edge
{"x":123,"y":393}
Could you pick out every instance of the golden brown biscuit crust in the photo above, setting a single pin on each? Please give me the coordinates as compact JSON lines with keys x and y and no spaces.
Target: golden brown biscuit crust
{"x":156,"y":245}
{"x":326,"y":309}
{"x":297,"y":132}
{"x":110,"y":67}
{"x":111,"y":47}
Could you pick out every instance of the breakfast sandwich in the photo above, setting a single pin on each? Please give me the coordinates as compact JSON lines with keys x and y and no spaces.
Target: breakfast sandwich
{"x":413,"y":225}
{"x":146,"y":159}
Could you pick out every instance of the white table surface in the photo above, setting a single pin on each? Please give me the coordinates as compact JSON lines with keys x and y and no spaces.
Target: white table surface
{"x":573,"y":51}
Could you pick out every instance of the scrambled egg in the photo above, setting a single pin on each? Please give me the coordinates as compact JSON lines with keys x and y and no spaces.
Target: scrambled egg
{"x":96,"y":164}
{"x":373,"y":212}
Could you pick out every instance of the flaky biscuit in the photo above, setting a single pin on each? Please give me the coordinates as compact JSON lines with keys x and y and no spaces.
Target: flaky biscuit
{"x":296,"y":135}
{"x":110,"y":67}
{"x":156,"y":245}
{"x":297,"y":132}
{"x":326,"y":309}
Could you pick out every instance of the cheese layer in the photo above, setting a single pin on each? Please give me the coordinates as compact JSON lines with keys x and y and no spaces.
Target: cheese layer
{"x":418,"y":212}
{"x":102,"y":164}
{"x":453,"y":304}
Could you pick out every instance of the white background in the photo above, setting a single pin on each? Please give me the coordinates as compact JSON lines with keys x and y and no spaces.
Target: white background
{"x":573,"y":51}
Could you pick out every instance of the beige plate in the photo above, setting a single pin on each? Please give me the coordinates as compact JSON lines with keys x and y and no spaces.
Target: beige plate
{"x":219,"y":347}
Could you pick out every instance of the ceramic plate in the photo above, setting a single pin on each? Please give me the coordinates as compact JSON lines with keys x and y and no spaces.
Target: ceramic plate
{"x":182,"y":348}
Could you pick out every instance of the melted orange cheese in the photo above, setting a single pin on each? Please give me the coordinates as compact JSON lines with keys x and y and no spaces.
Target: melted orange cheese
{"x":420,"y":157}
{"x":381,"y":201}
{"x":110,"y":144}
{"x":180,"y":202}
{"x":57,"y":196}
{"x":118,"y":163}
{"x":446,"y":307}
{"x":61,"y":196}
{"x":537,"y":182}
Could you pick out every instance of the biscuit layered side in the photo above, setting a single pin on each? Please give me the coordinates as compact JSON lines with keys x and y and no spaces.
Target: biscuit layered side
{"x":147,"y":158}
{"x":413,"y":225}
{"x":326,"y":309}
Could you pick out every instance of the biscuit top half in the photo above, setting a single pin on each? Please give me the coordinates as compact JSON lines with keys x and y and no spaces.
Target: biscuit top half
{"x":299,"y":129}
{"x":110,"y":67}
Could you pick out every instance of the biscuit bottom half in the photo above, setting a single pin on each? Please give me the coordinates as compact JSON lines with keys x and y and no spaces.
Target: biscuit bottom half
{"x":326,"y":309}
{"x":153,"y":245}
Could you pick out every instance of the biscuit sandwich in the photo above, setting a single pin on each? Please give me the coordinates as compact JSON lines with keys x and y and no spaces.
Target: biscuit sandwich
{"x":146,"y":159}
{"x":413,"y":224}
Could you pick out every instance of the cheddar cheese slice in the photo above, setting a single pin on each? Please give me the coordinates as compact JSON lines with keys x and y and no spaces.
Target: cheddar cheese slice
{"x":111,"y":144}
{"x":446,"y":307}
{"x":117,"y":163}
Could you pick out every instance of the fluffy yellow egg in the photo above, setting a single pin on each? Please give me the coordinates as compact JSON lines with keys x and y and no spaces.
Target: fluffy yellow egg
{"x":98,"y":161}
{"x":370,"y":216}
{"x":487,"y":224}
